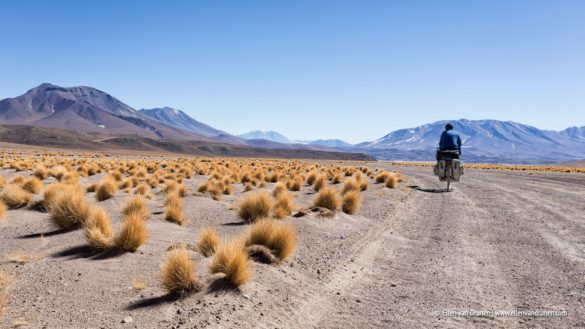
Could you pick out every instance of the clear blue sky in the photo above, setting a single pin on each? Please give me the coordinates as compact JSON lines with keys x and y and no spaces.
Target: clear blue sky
{"x":353,"y":70}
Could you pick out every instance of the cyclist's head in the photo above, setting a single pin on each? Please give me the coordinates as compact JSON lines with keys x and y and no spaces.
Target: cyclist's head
{"x":448,"y":126}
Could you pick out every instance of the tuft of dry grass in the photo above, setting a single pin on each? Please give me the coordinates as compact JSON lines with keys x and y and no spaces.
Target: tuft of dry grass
{"x":40,"y":173}
{"x":135,"y":205}
{"x":280,"y":238}
{"x":311,"y":178}
{"x":3,"y":209}
{"x":142,"y":189}
{"x":392,"y":181}
{"x":208,"y":241}
{"x":382,"y":177}
{"x":91,"y":188}
{"x":327,"y":198}
{"x":17,"y":180}
{"x":67,"y":207}
{"x":350,"y":185}
{"x":337,"y":178}
{"x":177,"y":273}
{"x":138,"y":284}
{"x":296,"y":184}
{"x":98,"y":230}
{"x":133,"y":233}
{"x":351,"y":202}
{"x":255,"y":206}
{"x":319,"y":183}
{"x":106,"y":189}
{"x":22,"y":257}
{"x":33,"y":185}
{"x":5,"y":280}
{"x":232,"y":260}
{"x":14,"y":196}
{"x":278,"y":189}
{"x":283,"y":204}
{"x":174,"y":208}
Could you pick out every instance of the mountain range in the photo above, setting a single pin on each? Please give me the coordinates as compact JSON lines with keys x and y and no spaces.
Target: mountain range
{"x":109,"y":122}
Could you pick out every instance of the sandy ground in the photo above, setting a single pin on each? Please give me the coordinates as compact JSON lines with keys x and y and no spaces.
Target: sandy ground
{"x":500,"y":241}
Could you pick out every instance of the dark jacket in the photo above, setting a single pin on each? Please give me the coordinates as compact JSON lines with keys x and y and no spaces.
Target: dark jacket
{"x":450,"y":140}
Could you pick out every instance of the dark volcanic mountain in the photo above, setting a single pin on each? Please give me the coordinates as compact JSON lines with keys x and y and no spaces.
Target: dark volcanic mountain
{"x":85,"y":110}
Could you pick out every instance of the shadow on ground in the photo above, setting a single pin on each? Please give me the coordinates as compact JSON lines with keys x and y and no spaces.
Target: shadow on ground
{"x":428,"y":190}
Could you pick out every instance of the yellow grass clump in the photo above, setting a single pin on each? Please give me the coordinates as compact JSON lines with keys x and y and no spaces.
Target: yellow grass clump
{"x":208,"y":241}
{"x":283,"y":204}
{"x":319,"y":183}
{"x":327,"y":198}
{"x":174,"y":208}
{"x":133,"y":233}
{"x":98,"y":230}
{"x":33,"y":185}
{"x":91,"y":188}
{"x":350,"y":185}
{"x":233,"y":262}
{"x":40,"y":173}
{"x":255,"y":206}
{"x":142,"y":189}
{"x":392,"y":181}
{"x":17,"y":180}
{"x":382,"y":177}
{"x":177,"y":273}
{"x":14,"y":196}
{"x":106,"y":189}
{"x":351,"y":202}
{"x":135,"y":205}
{"x":278,"y":189}
{"x":67,"y":207}
{"x":3,"y":209}
{"x":279,"y":238}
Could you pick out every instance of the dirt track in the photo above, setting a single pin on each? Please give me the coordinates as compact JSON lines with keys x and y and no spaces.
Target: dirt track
{"x":501,"y":241}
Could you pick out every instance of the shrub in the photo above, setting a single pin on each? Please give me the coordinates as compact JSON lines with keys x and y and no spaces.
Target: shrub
{"x":296,"y":184}
{"x":278,"y":189}
{"x":91,"y":188}
{"x":3,"y":209}
{"x":40,"y":173}
{"x":382,"y":177}
{"x":33,"y":185}
{"x":106,"y":189}
{"x":327,"y":198}
{"x":133,"y":233}
{"x":336,"y":179}
{"x":351,"y":202}
{"x":392,"y":181}
{"x":283,"y":205}
{"x":14,"y":196}
{"x":364,"y":185}
{"x":311,"y":178}
{"x":233,"y":262}
{"x":135,"y":205}
{"x":142,"y":189}
{"x":203,"y":187}
{"x":319,"y":183}
{"x":279,"y":238}
{"x":208,"y":241}
{"x":98,"y":230}
{"x":67,"y":207}
{"x":177,"y":273}
{"x":254,"y":206}
{"x":350,"y":185}
{"x":174,"y":209}
{"x":17,"y":180}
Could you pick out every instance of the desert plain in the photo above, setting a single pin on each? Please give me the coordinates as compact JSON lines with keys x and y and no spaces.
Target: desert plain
{"x":403,"y":254}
